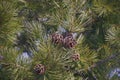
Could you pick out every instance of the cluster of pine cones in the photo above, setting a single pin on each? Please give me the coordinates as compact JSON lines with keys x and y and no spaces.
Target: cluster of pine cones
{"x":66,"y":39}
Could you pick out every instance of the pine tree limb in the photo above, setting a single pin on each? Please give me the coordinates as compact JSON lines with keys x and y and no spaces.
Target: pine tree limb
{"x":100,"y":62}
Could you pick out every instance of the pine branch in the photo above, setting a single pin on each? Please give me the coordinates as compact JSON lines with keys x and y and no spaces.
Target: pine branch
{"x":12,"y":64}
{"x":87,"y":23}
{"x":113,"y":56}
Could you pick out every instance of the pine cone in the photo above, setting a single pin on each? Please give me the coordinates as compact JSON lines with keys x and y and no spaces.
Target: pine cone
{"x":57,"y":38}
{"x":69,"y":42}
{"x":75,"y":57}
{"x":39,"y":69}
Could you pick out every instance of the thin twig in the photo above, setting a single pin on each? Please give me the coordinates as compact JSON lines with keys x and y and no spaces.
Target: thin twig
{"x":105,"y":60}
{"x":78,"y":72}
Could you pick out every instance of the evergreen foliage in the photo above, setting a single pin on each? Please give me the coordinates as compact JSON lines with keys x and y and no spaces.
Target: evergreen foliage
{"x":89,"y":28}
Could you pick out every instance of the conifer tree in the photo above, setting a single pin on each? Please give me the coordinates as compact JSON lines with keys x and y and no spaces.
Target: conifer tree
{"x":59,"y":39}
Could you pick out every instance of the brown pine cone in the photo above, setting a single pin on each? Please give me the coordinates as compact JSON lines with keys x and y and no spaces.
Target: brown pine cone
{"x":57,"y":38}
{"x":75,"y":57}
{"x":39,"y":69}
{"x":69,"y":42}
